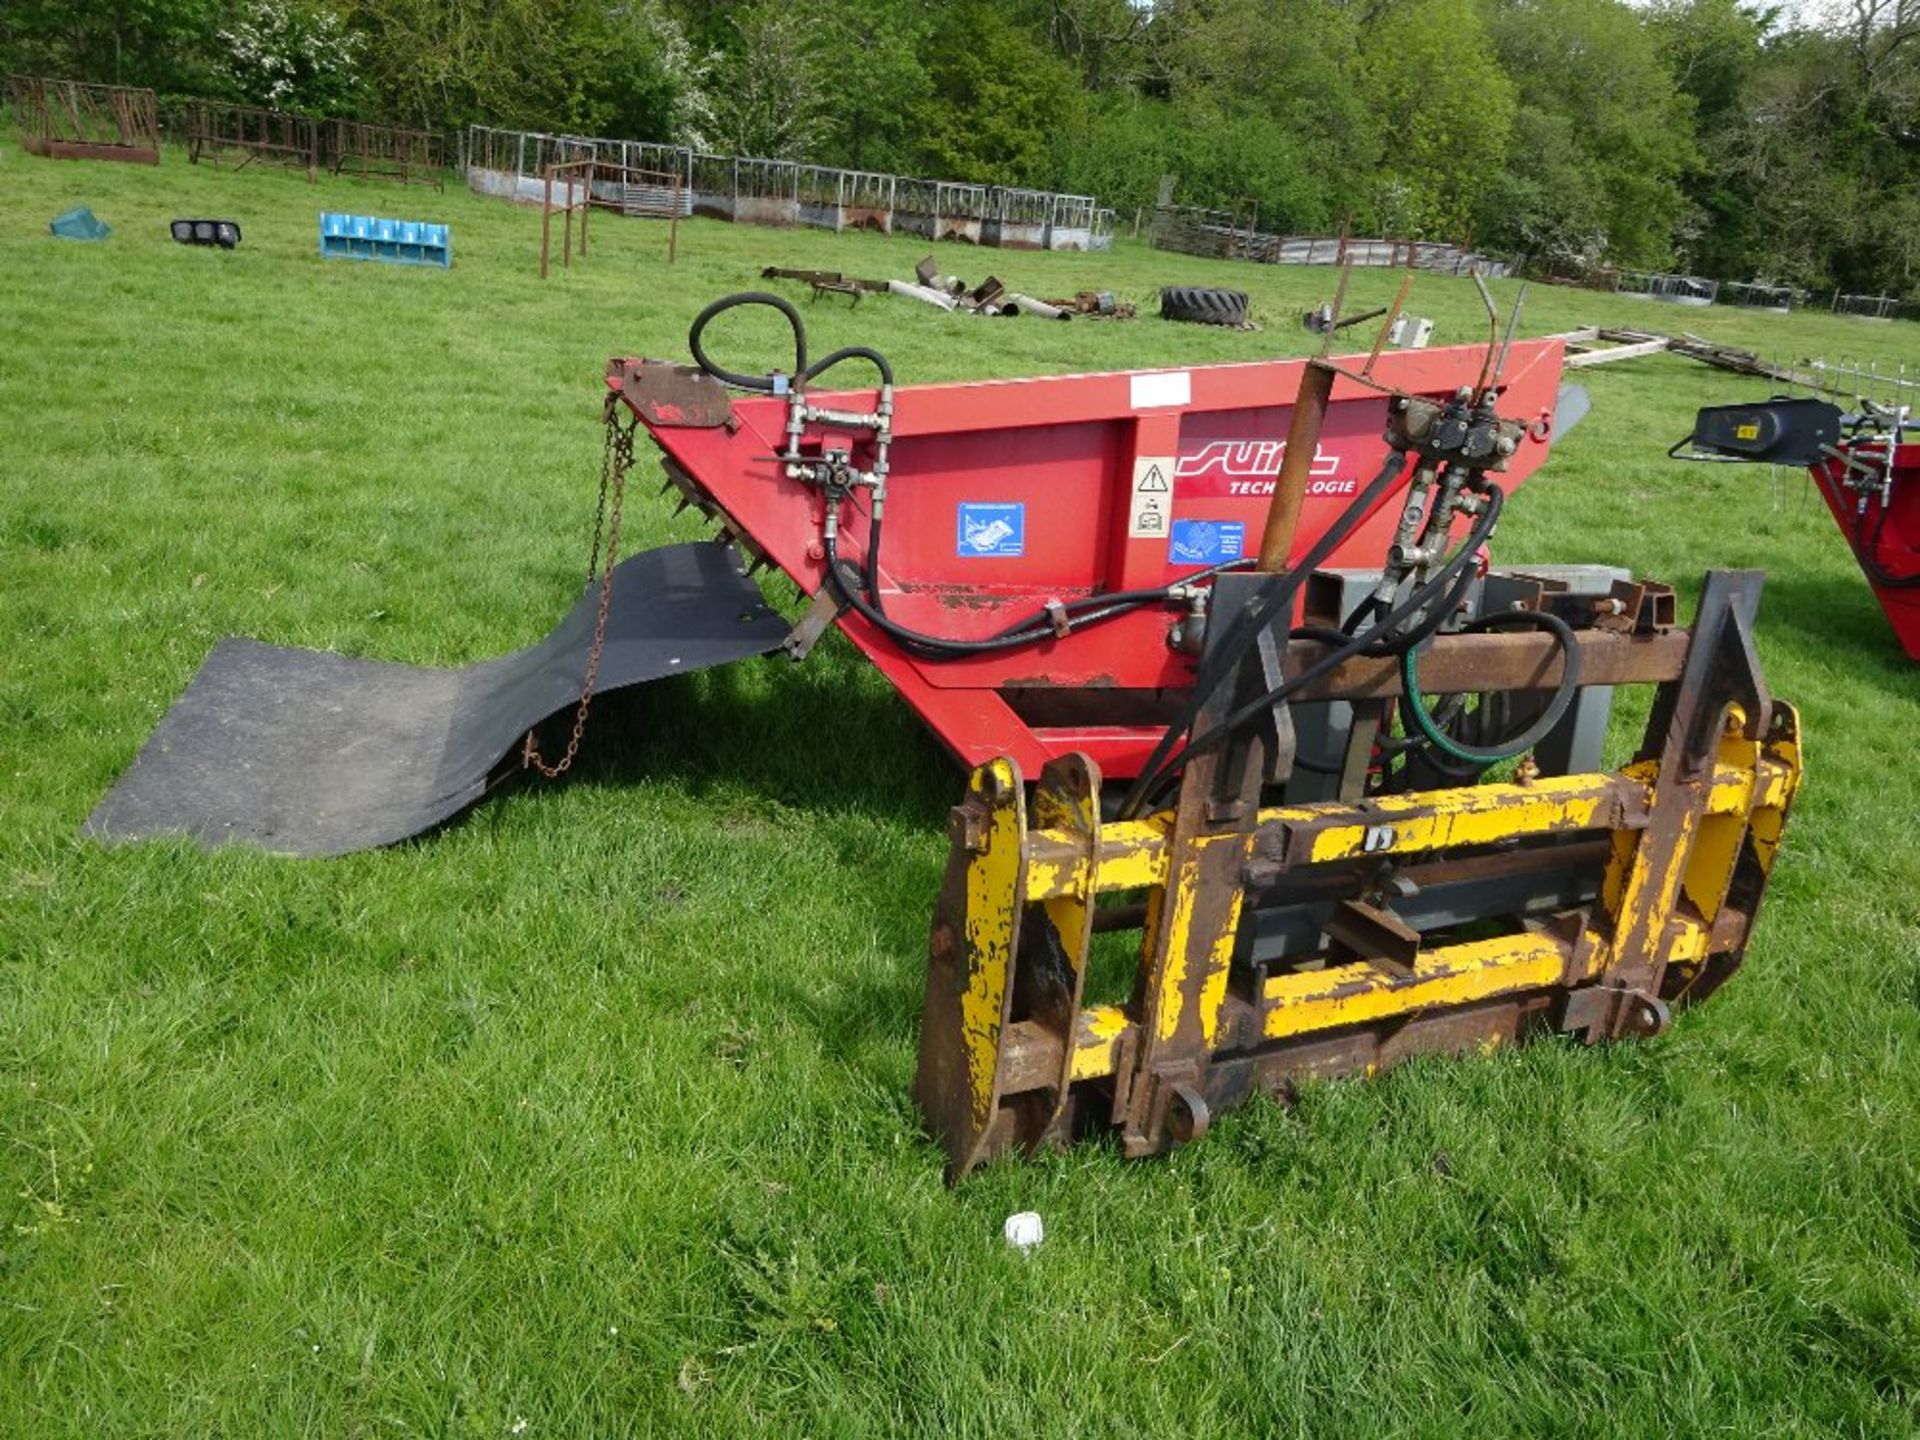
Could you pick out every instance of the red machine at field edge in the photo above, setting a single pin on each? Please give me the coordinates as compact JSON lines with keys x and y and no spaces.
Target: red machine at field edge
{"x":1863,"y":466}
{"x":1108,"y":498}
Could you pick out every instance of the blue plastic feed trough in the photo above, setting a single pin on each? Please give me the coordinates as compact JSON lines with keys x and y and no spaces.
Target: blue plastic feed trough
{"x":79,"y":223}
{"x":398,"y":242}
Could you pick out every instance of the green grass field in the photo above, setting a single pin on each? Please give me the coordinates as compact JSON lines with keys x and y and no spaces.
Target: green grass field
{"x":589,"y":1115}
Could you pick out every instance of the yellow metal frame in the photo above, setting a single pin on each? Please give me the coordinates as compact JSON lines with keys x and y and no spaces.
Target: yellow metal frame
{"x":1135,"y":855}
{"x":1661,"y":905}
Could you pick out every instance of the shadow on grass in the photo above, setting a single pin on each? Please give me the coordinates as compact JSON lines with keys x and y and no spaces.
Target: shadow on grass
{"x":1828,"y":614}
{"x":826,"y":736}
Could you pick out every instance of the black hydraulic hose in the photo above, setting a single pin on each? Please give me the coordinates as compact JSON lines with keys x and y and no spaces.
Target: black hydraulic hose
{"x":1436,"y":615}
{"x":863,"y":591}
{"x":1865,"y":550}
{"x":755,"y":382}
{"x":802,"y":371}
{"x":1448,"y":586}
{"x":1519,"y":744}
{"x":1086,"y":610}
{"x":1452,"y":578}
{"x":870,"y":568}
{"x":1030,"y":631}
{"x":1223,"y":658}
{"x":1353,"y":645}
{"x":1101,"y":602}
{"x":849,"y":352}
{"x":1240,"y":637}
{"x":1151,"y":782}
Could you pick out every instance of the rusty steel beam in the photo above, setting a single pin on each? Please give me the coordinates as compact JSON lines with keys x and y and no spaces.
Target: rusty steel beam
{"x":1513,"y":660}
{"x":1296,"y":465}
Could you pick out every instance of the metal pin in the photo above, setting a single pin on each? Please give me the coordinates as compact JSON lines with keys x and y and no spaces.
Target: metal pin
{"x":1513,"y":324}
{"x":1339,"y":301}
{"x":1493,"y":327}
{"x":1393,"y":314}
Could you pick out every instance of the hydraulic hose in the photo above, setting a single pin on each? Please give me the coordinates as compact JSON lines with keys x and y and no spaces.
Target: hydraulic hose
{"x":1452,"y":576}
{"x":1224,"y":658}
{"x":1451,"y":580}
{"x":1458,"y":566}
{"x":1865,"y":549}
{"x":860,"y":587}
{"x":763,"y":383}
{"x":802,"y":371}
{"x":1436,"y":735}
{"x":849,"y":352}
{"x":1088,"y":610}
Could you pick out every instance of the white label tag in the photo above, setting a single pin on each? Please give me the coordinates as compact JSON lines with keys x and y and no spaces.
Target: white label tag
{"x":1172,"y":387}
{"x":1151,"y":512}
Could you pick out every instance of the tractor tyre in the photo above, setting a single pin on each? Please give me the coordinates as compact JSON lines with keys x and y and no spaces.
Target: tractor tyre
{"x":1204,"y":307}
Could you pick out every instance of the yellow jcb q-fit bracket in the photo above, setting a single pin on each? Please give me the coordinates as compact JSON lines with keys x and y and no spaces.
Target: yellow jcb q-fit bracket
{"x":1338,"y":938}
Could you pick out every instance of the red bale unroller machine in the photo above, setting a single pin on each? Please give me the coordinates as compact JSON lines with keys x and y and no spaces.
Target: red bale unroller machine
{"x":1275,"y":775}
{"x":1864,"y":467}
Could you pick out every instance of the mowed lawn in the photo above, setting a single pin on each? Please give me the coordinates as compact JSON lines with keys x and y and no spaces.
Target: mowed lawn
{"x":589,"y":1115}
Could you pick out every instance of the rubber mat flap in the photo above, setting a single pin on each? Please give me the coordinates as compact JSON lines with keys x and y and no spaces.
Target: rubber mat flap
{"x":303,"y":752}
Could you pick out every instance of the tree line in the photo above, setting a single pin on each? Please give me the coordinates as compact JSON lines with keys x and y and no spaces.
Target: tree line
{"x":1738,"y":140}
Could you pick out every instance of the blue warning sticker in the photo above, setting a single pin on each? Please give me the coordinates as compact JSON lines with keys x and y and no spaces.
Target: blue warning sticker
{"x":1206,"y":542}
{"x":992,"y":530}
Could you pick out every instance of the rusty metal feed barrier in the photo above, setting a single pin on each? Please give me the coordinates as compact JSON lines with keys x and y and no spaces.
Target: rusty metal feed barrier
{"x":1222,"y":235}
{"x":577,"y":186}
{"x":217,"y":131}
{"x":385,"y":152}
{"x":1655,"y":285}
{"x":69,"y":120}
{"x":66,"y":119}
{"x":751,"y":190}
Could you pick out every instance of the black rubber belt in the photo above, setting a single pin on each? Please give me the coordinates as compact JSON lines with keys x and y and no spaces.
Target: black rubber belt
{"x":303,"y":752}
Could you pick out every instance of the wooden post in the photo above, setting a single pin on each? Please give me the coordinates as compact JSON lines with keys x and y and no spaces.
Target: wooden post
{"x":546,"y":219}
{"x":1296,"y":467}
{"x":566,"y":242}
{"x":586,"y":210}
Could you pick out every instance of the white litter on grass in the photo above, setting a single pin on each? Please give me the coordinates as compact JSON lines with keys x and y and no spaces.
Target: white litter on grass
{"x":1024,"y":1231}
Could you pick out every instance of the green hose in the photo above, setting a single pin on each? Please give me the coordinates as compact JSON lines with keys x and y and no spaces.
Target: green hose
{"x":1534,"y":733}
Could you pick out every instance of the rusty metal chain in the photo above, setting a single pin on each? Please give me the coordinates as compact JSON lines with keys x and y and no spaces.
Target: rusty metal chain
{"x":615,"y":461}
{"x":607,"y":452}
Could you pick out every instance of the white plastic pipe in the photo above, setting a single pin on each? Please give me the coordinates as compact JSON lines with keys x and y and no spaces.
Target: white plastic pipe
{"x":1027,"y":305}
{"x":920,"y":292}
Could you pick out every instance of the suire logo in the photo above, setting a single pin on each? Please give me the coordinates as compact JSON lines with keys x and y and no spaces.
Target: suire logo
{"x":1251,"y":467}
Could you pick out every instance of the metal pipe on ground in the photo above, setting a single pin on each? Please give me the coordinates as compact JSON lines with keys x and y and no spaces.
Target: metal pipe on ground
{"x":937,"y":298}
{"x":1027,"y":305}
